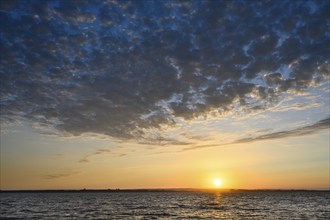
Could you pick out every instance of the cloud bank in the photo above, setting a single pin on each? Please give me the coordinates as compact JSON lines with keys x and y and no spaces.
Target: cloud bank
{"x":123,"y":68}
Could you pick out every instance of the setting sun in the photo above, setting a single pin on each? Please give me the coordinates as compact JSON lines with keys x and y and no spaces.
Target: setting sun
{"x":217,"y":182}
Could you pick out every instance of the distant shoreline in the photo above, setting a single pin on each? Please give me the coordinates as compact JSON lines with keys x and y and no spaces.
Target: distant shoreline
{"x":161,"y":190}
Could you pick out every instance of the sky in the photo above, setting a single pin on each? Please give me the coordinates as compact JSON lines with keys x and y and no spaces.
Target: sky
{"x":164,"y":94}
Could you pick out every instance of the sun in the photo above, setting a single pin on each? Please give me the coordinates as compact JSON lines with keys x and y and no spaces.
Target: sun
{"x":217,"y":182}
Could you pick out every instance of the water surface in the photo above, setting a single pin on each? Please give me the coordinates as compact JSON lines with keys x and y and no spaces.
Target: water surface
{"x":166,"y":205}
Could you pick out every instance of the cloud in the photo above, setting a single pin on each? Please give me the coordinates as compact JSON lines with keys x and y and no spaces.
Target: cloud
{"x":202,"y":146}
{"x":87,"y":158}
{"x":124,"y":68}
{"x":59,"y":175}
{"x":156,"y":139}
{"x":84,"y":159}
{"x":57,"y":156}
{"x":297,"y":107}
{"x":322,"y":124}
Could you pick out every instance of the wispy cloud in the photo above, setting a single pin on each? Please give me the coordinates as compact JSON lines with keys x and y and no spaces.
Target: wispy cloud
{"x":59,"y":175}
{"x":200,"y":146}
{"x":87,"y":158}
{"x":161,"y":141}
{"x":84,"y":159}
{"x":57,"y":156}
{"x":322,"y":124}
{"x":297,"y":106}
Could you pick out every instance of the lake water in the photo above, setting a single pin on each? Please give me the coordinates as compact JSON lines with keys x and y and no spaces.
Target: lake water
{"x":166,"y":205}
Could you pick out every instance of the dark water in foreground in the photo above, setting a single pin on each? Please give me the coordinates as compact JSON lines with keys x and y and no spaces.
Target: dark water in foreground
{"x":166,"y":205}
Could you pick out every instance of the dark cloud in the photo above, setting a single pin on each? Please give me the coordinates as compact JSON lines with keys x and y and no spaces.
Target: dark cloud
{"x":120,"y":68}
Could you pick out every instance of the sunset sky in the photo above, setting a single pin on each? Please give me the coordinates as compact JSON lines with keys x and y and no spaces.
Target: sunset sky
{"x":165,"y":94}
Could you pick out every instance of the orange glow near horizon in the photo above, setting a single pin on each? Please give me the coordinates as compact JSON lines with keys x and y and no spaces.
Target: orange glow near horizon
{"x":240,"y":166}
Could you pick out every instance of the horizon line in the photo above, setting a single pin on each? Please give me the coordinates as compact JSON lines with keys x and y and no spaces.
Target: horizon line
{"x":162,"y":189}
